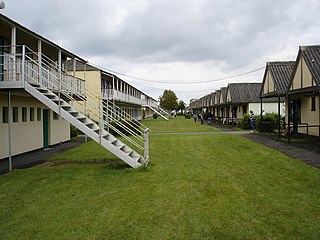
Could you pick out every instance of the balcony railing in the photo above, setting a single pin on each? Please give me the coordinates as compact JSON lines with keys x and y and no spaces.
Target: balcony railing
{"x":33,"y":67}
{"x":110,"y":94}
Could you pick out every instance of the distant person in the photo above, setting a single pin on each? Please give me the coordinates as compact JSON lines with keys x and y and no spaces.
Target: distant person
{"x":263,"y":113}
{"x":252,"y":121}
{"x":201,"y":117}
{"x":195,"y":117}
{"x":209,"y":118}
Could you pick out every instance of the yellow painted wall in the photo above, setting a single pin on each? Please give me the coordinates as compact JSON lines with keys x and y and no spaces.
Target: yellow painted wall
{"x":308,"y":116}
{"x":296,"y":84}
{"x":59,"y":130}
{"x":270,"y":83}
{"x":93,"y":84}
{"x":228,"y":96}
{"x":28,"y":136}
{"x":307,"y":77}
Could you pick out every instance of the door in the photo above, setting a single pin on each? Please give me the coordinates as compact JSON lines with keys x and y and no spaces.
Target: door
{"x":295,"y":106}
{"x":45,"y":128}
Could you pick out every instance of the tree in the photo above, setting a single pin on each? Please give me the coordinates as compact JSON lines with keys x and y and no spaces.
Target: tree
{"x":168,"y":100}
{"x":181,"y":106}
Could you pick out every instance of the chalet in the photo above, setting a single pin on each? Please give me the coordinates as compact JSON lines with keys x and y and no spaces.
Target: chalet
{"x":303,"y":99}
{"x":275,"y":85}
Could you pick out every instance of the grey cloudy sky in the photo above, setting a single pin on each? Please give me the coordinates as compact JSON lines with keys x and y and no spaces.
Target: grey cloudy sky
{"x":176,"y":42}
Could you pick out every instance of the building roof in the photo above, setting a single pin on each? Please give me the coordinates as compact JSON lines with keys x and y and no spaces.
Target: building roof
{"x":281,"y":72}
{"x":223,"y":95}
{"x":80,"y":66}
{"x":234,"y":88}
{"x":249,"y":92}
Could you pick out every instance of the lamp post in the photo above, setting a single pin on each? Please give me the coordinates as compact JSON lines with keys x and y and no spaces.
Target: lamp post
{"x":2,"y":5}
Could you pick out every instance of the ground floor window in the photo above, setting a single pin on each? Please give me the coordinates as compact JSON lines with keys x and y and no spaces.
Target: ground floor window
{"x":55,"y":116}
{"x":4,"y":114}
{"x":15,"y":114}
{"x":24,"y":114}
{"x":31,"y":114}
{"x":38,"y":114}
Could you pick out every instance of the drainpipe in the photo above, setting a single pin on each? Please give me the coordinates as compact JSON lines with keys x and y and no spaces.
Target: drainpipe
{"x":9,"y":131}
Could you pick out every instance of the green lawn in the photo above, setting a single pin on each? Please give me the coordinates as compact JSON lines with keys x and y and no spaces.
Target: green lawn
{"x":197,"y":186}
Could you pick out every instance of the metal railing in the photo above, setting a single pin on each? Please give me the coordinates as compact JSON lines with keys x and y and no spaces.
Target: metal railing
{"x":40,"y":70}
{"x":111,"y":94}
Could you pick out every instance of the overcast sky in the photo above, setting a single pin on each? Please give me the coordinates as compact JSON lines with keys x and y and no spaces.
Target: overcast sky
{"x":176,"y":42}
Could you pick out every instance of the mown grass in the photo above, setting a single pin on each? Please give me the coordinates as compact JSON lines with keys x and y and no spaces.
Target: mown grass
{"x":178,"y":124}
{"x":209,"y":186}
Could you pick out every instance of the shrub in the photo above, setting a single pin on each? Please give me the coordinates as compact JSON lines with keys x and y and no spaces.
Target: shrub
{"x":187,"y":116}
{"x":269,"y":123}
{"x":74,"y":131}
{"x":244,"y":122}
{"x":155,"y":115}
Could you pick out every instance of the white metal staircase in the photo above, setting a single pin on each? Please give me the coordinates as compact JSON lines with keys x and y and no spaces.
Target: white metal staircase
{"x":159,"y":111}
{"x":56,"y":89}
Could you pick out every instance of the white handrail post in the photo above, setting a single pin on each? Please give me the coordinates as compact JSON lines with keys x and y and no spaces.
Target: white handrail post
{"x":146,"y":145}
{"x":100,"y":120}
{"x":23,"y":62}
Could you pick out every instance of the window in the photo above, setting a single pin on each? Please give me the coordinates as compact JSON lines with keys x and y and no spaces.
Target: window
{"x":38,"y":114}
{"x":55,"y":116}
{"x":24,"y":114}
{"x":15,"y":114}
{"x":313,"y":104}
{"x":5,"y":115}
{"x":31,"y":114}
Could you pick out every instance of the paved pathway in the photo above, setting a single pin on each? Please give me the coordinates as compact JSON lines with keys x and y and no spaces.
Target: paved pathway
{"x":36,"y":157}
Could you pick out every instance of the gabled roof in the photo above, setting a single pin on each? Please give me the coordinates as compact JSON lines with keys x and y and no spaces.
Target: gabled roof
{"x":281,"y":72}
{"x":249,"y":92}
{"x":233,"y":88}
{"x":218,"y":94}
{"x":311,"y":55}
{"x":213,"y":97}
{"x":223,"y":95}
